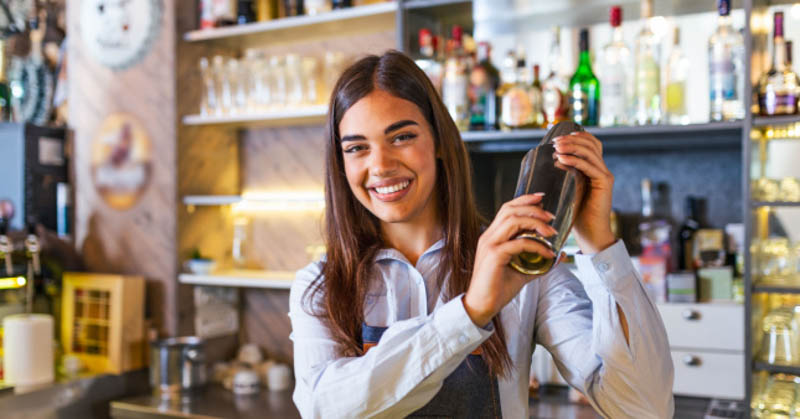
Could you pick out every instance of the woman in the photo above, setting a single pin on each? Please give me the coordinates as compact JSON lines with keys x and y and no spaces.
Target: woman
{"x":414,"y":310}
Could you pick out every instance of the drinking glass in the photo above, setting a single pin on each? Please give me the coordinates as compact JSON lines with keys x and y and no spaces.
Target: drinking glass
{"x":253,"y":81}
{"x":225,"y":102}
{"x":238,"y":86}
{"x":309,"y":65}
{"x":766,"y":189}
{"x":790,"y":189}
{"x":334,"y":65}
{"x":294,"y":80}
{"x":277,"y":82}
{"x":778,"y":345}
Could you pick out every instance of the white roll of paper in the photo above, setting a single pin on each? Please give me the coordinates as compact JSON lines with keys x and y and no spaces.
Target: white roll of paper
{"x":28,"y":350}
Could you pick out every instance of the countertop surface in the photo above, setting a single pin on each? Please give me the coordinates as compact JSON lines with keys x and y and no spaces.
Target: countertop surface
{"x":216,"y":402}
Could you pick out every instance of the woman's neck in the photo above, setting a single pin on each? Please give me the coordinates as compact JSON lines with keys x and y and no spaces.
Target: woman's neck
{"x":413,"y":237}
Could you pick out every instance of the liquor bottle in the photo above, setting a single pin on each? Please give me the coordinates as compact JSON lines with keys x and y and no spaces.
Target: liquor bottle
{"x":484,"y":80}
{"x":516,"y":108}
{"x":615,"y":76}
{"x":266,"y":10}
{"x":554,"y":87}
{"x":5,"y":89}
{"x":676,"y":75}
{"x":654,"y":231}
{"x":341,"y":4}
{"x":584,"y":89}
{"x":454,"y":84}
{"x":726,"y":68}
{"x":693,"y":222}
{"x":536,"y":99}
{"x":777,"y":88}
{"x":427,"y":61}
{"x":647,"y":74}
{"x":245,"y":13}
{"x":294,"y":8}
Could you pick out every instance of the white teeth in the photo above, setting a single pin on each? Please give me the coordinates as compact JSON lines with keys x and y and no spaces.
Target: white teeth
{"x":391,"y":189}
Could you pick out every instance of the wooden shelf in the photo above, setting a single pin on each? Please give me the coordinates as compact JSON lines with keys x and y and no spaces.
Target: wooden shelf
{"x":709,"y":135}
{"x":211,"y":200}
{"x":373,"y":16}
{"x":241,"y":279}
{"x":297,"y":116}
{"x":424,"y":4}
{"x":759,"y":204}
{"x":764,"y":121}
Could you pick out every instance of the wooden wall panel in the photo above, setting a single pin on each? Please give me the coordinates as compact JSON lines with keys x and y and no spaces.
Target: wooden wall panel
{"x":142,"y":239}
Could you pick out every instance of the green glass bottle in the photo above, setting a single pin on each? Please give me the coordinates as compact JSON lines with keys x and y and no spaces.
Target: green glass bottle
{"x":5,"y":89}
{"x":584,"y":89}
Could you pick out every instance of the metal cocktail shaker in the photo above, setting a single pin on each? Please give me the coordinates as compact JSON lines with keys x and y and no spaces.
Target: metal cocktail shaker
{"x":563,"y":193}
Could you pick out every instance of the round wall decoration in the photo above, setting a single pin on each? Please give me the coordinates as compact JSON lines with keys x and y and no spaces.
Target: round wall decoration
{"x":121,"y":161}
{"x":119,"y":33}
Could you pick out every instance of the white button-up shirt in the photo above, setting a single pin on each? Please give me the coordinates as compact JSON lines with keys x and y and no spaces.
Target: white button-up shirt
{"x":576,"y":320}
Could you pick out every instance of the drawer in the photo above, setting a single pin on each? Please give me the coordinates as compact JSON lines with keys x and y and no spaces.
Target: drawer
{"x":708,"y":374}
{"x":704,"y":326}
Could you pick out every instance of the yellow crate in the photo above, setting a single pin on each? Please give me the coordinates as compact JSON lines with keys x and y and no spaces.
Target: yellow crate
{"x":102,"y":321}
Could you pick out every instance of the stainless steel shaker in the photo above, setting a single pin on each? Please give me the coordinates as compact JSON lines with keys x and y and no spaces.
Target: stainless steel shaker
{"x":563,"y":194}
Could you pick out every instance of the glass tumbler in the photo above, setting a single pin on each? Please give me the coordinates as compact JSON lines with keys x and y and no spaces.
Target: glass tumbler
{"x":277,"y":82}
{"x":563,"y":191}
{"x":208,"y":101}
{"x":778,"y":345}
{"x":790,"y":189}
{"x":294,"y":80}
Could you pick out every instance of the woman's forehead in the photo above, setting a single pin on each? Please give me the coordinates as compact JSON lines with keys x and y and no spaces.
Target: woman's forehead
{"x":376,"y":111}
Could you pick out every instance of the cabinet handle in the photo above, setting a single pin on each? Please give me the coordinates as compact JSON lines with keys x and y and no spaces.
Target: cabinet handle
{"x":691,"y":361}
{"x":689,"y":314}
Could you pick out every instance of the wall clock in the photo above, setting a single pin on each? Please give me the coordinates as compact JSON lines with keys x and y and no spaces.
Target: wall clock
{"x":120,"y":33}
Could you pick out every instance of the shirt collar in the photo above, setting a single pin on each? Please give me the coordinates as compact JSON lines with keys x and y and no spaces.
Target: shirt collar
{"x":394,"y":254}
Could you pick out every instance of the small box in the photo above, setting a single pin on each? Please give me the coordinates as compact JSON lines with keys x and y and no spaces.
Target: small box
{"x":681,"y":287}
{"x":102,"y":321}
{"x":654,"y":277}
{"x":715,"y":284}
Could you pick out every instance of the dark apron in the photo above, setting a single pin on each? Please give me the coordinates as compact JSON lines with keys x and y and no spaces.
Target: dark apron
{"x":468,"y":392}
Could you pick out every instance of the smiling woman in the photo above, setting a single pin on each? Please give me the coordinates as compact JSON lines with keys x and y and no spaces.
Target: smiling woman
{"x":414,"y":311}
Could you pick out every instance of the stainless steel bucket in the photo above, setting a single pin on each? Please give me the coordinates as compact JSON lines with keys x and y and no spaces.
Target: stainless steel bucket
{"x":177,"y":365}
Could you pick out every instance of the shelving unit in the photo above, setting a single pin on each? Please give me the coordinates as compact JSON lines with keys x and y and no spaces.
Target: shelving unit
{"x":298,"y":116}
{"x":759,"y":204}
{"x":211,"y":200}
{"x":762,"y":121}
{"x":784,"y":369}
{"x":241,"y":279}
{"x":775,"y":289}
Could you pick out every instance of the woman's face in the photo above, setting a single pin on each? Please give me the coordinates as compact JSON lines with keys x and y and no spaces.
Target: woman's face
{"x":390,"y":158}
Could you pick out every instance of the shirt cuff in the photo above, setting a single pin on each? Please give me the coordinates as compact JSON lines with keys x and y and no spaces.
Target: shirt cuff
{"x":611,"y":268}
{"x":456,"y":329}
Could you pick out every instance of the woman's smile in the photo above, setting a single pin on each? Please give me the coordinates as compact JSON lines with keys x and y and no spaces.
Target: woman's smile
{"x":389,"y":191}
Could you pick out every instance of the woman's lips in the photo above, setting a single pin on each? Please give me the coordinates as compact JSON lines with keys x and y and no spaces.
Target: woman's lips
{"x":391,"y":196}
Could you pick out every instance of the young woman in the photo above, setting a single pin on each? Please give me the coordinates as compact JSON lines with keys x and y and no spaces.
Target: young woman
{"x":414,"y":310}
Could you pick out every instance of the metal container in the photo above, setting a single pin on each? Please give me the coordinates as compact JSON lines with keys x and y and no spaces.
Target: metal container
{"x":177,"y":365}
{"x":563,"y":194}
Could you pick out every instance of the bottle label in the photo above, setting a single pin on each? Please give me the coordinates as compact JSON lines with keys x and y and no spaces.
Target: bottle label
{"x":784,"y":103}
{"x":517,"y":109}
{"x":613,"y":99}
{"x":481,"y":98}
{"x":553,"y":103}
{"x":454,"y":96}
{"x":647,"y":82}
{"x":722,"y":79}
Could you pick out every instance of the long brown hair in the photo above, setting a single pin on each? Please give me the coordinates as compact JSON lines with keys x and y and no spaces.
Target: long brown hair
{"x":352,"y":233}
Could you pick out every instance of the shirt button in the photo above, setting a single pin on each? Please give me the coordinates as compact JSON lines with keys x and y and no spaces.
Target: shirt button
{"x":463,"y":339}
{"x":603,"y":267}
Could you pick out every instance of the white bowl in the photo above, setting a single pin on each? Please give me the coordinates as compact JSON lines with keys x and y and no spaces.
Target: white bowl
{"x":200,"y":266}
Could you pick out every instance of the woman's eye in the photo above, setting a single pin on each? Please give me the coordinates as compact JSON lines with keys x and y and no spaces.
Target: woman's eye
{"x":405,"y":137}
{"x":354,"y":149}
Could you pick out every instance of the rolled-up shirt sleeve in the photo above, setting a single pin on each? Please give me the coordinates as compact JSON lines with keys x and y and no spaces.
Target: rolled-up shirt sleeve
{"x":578,"y":323}
{"x":399,"y":375}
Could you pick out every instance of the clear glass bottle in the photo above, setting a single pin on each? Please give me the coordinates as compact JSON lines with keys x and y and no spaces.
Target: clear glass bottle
{"x":208,"y":102}
{"x":484,"y":79}
{"x":677,"y":71}
{"x":294,"y":80}
{"x":584,"y":88}
{"x":536,"y":99}
{"x":427,"y":61}
{"x":224,"y":87}
{"x":647,"y":74}
{"x":455,"y":82}
{"x":277,"y":83}
{"x":516,"y":108}
{"x":615,"y":76}
{"x":554,"y":87}
{"x":778,"y":87}
{"x":726,"y":68}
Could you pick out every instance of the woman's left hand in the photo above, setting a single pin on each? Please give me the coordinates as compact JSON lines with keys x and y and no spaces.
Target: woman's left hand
{"x":584,"y":152}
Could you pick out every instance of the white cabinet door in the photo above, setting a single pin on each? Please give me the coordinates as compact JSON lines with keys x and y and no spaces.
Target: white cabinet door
{"x":704,"y":326}
{"x":709,"y":374}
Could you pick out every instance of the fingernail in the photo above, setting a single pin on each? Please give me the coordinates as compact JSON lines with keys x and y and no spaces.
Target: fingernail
{"x":539,"y":194}
{"x":557,"y":139}
{"x":550,"y":214}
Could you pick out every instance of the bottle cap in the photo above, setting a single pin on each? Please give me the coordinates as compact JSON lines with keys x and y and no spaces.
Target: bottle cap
{"x":457,"y":33}
{"x":777,"y":25}
{"x":724,"y":7}
{"x":425,"y":37}
{"x":615,"y":16}
{"x":584,"y":40}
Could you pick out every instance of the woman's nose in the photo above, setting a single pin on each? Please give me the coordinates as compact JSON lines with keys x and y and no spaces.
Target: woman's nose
{"x":381,"y":162}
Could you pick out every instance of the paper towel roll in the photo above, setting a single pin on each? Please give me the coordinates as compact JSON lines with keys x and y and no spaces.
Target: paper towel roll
{"x":28,"y":349}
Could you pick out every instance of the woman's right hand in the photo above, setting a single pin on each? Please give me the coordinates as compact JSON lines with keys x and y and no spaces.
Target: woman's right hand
{"x":493,"y":282}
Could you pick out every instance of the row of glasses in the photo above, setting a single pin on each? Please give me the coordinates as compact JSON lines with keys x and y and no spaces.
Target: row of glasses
{"x":776,"y":260}
{"x":775,"y":396}
{"x":260,"y":83}
{"x":776,"y":190}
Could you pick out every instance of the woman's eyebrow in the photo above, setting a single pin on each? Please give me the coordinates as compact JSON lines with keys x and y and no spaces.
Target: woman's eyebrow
{"x":354,"y":137}
{"x":399,"y":124}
